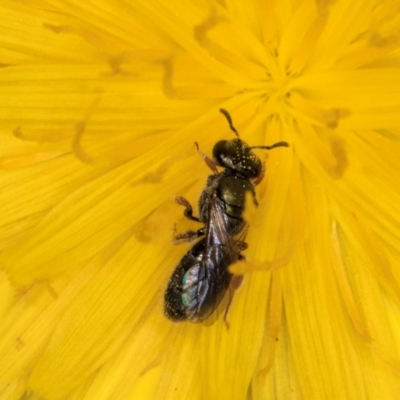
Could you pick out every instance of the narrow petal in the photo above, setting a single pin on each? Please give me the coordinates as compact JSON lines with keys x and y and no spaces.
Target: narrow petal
{"x":370,"y":96}
{"x":219,"y":363}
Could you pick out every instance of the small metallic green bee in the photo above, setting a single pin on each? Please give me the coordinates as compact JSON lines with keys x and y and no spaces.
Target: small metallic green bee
{"x":201,"y":279}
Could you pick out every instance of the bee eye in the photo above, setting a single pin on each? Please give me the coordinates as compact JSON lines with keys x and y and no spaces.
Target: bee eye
{"x":219,"y":152}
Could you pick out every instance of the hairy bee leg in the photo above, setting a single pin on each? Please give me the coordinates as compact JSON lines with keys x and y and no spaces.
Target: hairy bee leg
{"x":188,"y":213}
{"x":187,"y":236}
{"x":236,"y":281}
{"x":210,"y":163}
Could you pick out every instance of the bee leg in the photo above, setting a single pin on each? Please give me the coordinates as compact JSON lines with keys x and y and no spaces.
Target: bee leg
{"x":210,"y":163}
{"x":236,"y":281}
{"x":242,"y":245}
{"x":187,"y":236}
{"x":255,"y":200}
{"x":188,"y":213}
{"x":259,"y":179}
{"x":256,"y":182}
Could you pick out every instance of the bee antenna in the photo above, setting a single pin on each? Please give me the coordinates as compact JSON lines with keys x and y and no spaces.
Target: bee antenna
{"x":229,"y":119}
{"x":279,"y":144}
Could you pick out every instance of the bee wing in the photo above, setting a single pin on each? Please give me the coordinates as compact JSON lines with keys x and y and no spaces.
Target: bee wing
{"x":217,"y":233}
{"x":220,"y":252}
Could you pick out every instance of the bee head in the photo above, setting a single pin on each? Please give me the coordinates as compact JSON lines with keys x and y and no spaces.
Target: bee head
{"x":238,"y":156}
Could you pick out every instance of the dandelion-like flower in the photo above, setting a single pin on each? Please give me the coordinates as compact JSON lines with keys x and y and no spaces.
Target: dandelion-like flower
{"x":101,"y":104}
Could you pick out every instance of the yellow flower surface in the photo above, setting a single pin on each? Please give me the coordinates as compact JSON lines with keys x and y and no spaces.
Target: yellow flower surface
{"x":100,"y":105}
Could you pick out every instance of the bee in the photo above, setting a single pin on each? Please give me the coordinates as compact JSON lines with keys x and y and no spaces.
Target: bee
{"x":201,"y":279}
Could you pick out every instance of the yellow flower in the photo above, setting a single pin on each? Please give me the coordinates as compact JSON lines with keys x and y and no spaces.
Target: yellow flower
{"x":100,"y":105}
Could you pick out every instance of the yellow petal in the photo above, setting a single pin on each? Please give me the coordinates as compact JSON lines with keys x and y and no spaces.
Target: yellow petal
{"x":101,"y":105}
